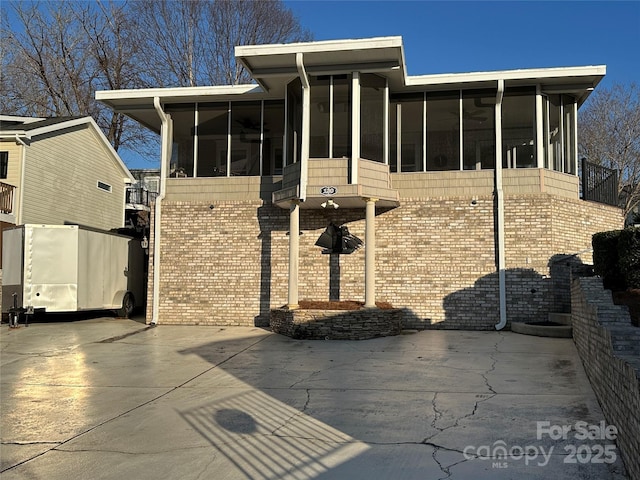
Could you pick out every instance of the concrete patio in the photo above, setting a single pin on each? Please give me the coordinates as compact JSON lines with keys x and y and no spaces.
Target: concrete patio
{"x":108,"y":398}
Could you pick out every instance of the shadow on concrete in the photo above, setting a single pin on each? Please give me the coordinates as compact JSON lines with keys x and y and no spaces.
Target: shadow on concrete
{"x":530,"y":296}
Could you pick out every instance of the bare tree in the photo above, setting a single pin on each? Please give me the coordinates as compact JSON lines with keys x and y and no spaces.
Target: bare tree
{"x":609,"y":134}
{"x":45,"y":69}
{"x":191,"y":42}
{"x":55,"y":55}
{"x":112,"y":42}
{"x":245,"y":22}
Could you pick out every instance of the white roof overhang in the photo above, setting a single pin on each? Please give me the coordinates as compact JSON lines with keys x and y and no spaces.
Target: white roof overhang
{"x":138,"y":103}
{"x":578,"y":81}
{"x":273,"y":66}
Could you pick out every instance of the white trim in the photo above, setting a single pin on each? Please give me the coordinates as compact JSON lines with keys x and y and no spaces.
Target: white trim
{"x":229,"y":113}
{"x":424,"y":131}
{"x":177,"y":92}
{"x":261,"y":170}
{"x":504,"y":75}
{"x":500,"y":209}
{"x":331,"y":112}
{"x":540,"y":143}
{"x":575,"y":137}
{"x":355,"y":126}
{"x":105,"y":187}
{"x":196,"y":124}
{"x":385,"y":113}
{"x":460,"y":132}
{"x":319,"y":47}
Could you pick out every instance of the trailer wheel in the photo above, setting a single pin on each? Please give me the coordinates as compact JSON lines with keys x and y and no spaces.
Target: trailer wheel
{"x":128,"y":305}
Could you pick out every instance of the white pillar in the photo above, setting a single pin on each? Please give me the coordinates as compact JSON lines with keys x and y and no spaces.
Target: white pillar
{"x":370,"y":254}
{"x":294,"y":248}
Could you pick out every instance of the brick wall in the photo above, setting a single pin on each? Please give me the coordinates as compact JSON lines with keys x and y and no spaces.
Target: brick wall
{"x":435,"y":257}
{"x":609,"y":347}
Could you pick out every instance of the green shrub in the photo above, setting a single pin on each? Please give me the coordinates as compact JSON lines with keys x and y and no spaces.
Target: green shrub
{"x":605,"y":259}
{"x":629,"y":256}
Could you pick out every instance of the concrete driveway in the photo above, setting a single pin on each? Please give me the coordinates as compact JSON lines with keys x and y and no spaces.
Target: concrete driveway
{"x":109,"y":398}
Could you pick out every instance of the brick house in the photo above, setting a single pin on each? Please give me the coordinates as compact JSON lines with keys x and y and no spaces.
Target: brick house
{"x":463,"y":187}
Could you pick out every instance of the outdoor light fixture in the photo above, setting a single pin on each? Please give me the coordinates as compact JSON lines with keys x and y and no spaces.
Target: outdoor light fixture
{"x":329,"y":203}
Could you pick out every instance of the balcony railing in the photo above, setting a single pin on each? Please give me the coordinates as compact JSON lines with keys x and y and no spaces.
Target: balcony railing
{"x":599,"y":184}
{"x":6,"y":198}
{"x":140,"y":196}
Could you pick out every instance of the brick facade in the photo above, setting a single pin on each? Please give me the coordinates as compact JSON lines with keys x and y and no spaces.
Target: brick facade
{"x":609,"y":347}
{"x":435,"y":258}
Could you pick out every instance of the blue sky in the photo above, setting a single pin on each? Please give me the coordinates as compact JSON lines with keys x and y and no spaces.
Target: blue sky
{"x":469,"y":36}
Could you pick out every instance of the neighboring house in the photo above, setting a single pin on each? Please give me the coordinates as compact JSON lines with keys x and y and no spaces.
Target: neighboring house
{"x":140,"y":197}
{"x":464,"y":187}
{"x":60,"y":170}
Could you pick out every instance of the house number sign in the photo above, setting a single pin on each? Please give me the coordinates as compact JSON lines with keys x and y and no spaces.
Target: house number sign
{"x":328,"y":191}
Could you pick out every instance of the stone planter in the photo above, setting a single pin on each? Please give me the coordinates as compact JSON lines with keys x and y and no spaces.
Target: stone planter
{"x":336,"y":324}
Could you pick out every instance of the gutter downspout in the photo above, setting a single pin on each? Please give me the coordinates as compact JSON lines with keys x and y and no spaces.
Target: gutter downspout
{"x":500,"y":206}
{"x":166,"y":136}
{"x":304,"y":149}
{"x":22,"y":179}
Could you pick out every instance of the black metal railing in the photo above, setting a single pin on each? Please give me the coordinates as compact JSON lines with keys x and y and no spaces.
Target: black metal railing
{"x":599,"y":184}
{"x":140,"y":196}
{"x":6,"y":197}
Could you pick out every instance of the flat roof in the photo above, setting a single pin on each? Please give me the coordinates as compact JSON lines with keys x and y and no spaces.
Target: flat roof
{"x":273,"y":66}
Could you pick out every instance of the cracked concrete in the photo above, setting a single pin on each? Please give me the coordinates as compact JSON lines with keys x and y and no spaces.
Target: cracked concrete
{"x":109,"y":399}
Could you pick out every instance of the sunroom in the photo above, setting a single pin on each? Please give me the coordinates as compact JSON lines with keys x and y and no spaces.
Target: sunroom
{"x":345,"y":114}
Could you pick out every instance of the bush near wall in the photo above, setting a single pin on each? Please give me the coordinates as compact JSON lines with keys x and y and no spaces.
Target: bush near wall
{"x":629,"y":256}
{"x":616,"y":258}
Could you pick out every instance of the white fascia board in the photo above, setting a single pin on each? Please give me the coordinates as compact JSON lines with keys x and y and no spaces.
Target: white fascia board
{"x":320,"y":46}
{"x":522,"y":74}
{"x":150,"y":93}
{"x":16,"y":118}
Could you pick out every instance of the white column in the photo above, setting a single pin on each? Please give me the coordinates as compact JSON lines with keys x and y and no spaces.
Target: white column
{"x":370,"y":254}
{"x":294,"y":249}
{"x":355,"y":126}
{"x":540,"y":146}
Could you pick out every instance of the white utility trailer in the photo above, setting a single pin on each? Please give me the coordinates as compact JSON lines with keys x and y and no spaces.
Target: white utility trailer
{"x":71,"y":268}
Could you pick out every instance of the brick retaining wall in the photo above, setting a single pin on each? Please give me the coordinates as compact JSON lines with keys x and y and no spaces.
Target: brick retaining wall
{"x":609,"y":347}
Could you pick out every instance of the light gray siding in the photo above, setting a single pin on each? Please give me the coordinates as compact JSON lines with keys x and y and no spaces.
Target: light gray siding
{"x":62,"y":172}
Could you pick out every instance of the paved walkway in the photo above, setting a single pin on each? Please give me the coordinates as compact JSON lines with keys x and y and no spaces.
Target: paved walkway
{"x":114,"y":399}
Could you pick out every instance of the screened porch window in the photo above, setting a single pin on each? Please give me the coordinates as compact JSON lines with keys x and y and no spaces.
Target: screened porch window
{"x":183,"y":116}
{"x":519,"y":128}
{"x":213,"y":123}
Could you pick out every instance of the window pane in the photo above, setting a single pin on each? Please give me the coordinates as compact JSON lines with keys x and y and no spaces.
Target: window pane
{"x":554,"y":135}
{"x":273,"y":137}
{"x":4,"y":164}
{"x":213,"y":120}
{"x":319,"y":115}
{"x":372,"y":98}
{"x":393,"y":136}
{"x":411,"y":135}
{"x":183,"y":117}
{"x":245,"y":138}
{"x":341,"y":116}
{"x":478,"y":130}
{"x":519,"y":129}
{"x":443,"y":131}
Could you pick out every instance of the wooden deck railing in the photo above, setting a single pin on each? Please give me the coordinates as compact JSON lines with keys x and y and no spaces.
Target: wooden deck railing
{"x":6,"y":197}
